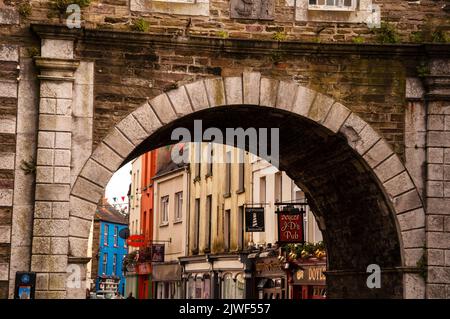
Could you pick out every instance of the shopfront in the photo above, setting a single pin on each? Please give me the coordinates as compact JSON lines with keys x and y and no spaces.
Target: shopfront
{"x":145,"y":290}
{"x":270,"y":278}
{"x":167,"y":280}
{"x":309,"y":281}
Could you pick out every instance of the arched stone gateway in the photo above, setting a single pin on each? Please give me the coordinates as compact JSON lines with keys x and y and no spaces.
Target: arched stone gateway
{"x":364,"y":198}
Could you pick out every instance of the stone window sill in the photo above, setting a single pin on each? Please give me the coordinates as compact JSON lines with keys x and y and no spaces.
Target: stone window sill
{"x":178,"y":7}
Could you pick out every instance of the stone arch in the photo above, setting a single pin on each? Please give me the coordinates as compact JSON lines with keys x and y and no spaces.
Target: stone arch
{"x":393,"y":179}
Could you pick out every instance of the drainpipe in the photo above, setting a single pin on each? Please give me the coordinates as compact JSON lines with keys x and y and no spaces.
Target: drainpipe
{"x":187,"y":219}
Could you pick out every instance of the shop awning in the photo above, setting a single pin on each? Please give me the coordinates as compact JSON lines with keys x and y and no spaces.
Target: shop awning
{"x":166,"y":272}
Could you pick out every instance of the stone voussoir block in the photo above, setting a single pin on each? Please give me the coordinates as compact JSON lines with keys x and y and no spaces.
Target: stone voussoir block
{"x":119,"y":142}
{"x":130,"y":127}
{"x":399,"y":184}
{"x":414,"y":238}
{"x":389,"y":168}
{"x":96,"y":173}
{"x":197,"y":95}
{"x":286,"y":95}
{"x":79,"y":227}
{"x":78,"y":247}
{"x":407,"y":201}
{"x":303,"y":100}
{"x":378,"y":153}
{"x":104,"y":155}
{"x":180,"y":101}
{"x":87,"y":190}
{"x":163,"y":108}
{"x":81,"y":208}
{"x":251,"y":85}
{"x":268,"y":92}
{"x":215,"y":90}
{"x":414,"y":286}
{"x":336,"y":117}
{"x":320,"y":108}
{"x":147,"y":118}
{"x":233,"y":90}
{"x":412,"y":219}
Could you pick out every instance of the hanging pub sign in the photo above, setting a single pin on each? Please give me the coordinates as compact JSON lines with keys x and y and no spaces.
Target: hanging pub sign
{"x":290,"y":225}
{"x":158,"y":253}
{"x":254,"y":219}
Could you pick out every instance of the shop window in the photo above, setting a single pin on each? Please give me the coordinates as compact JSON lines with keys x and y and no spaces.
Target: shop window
{"x":228,"y":287}
{"x":240,"y":286}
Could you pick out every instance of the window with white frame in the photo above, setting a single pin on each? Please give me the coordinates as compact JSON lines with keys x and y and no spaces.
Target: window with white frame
{"x":178,"y":206}
{"x":116,"y":236}
{"x":104,"y":263}
{"x":105,"y":234}
{"x":334,"y":5}
{"x":114,"y":265}
{"x":164,"y":210}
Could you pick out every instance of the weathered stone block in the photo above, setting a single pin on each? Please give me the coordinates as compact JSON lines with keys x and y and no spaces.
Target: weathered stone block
{"x":52,"y":192}
{"x":5,"y":234}
{"x":60,"y":210}
{"x":147,"y":118}
{"x":4,"y":269}
{"x":233,"y":90}
{"x":413,"y":238}
{"x":47,"y":105}
{"x":197,"y":95}
{"x":59,"y":245}
{"x":83,"y":100}
{"x":79,"y":227}
{"x":43,"y":210}
{"x":8,"y":89}
{"x":41,"y":245}
{"x":435,"y":291}
{"x":320,"y":108}
{"x":132,"y":130}
{"x":435,"y":155}
{"x":7,"y":124}
{"x":412,"y":219}
{"x":22,"y":225}
{"x":435,"y":223}
{"x":6,"y":197}
{"x":62,"y":158}
{"x":438,"y":206}
{"x":436,"y":122}
{"x":269,"y":92}
{"x":96,"y":173}
{"x":399,"y":184}
{"x":41,"y":281}
{"x":78,"y":247}
{"x":64,"y":107}
{"x":63,"y":140}
{"x":46,"y":139}
{"x":412,"y":256}
{"x":119,"y":143}
{"x":435,"y":172}
{"x":286,"y":95}
{"x":52,"y":89}
{"x":50,"y":294}
{"x":87,"y":190}
{"x":438,"y":274}
{"x":215,"y":91}
{"x":414,"y":286}
{"x":407,"y":201}
{"x":44,"y":174}
{"x":48,"y":263}
{"x":378,"y":153}
{"x":435,"y":257}
{"x":251,"y":84}
{"x":438,"y":240}
{"x":55,"y":123}
{"x":9,"y":52}
{"x":7,"y":160}
{"x":438,"y":139}
{"x":389,"y":168}
{"x":336,"y":117}
{"x":45,"y":157}
{"x":57,"y":281}
{"x":51,"y":227}
{"x":55,"y":48}
{"x":81,"y":208}
{"x":435,"y":189}
{"x":163,"y":109}
{"x":62,"y":175}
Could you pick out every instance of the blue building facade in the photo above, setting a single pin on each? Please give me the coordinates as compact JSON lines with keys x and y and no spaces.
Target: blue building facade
{"x":111,"y":252}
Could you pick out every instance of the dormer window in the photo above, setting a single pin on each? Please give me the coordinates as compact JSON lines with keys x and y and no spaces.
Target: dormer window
{"x":332,"y":5}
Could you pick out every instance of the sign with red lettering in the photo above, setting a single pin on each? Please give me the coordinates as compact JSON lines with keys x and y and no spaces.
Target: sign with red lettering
{"x":136,"y":241}
{"x":290,"y":225}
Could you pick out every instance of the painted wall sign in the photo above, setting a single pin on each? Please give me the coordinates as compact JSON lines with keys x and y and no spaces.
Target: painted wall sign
{"x":254,"y":219}
{"x":253,"y":9}
{"x":290,"y":225}
{"x":310,"y":275}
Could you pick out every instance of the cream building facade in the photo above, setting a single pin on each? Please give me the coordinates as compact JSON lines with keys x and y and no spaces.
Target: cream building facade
{"x":220,"y":187}
{"x":131,"y":283}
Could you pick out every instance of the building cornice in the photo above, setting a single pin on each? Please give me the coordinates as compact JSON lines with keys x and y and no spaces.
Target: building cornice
{"x":112,"y":37}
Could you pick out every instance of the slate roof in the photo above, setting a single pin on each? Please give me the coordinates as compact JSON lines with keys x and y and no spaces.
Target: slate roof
{"x":106,"y":212}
